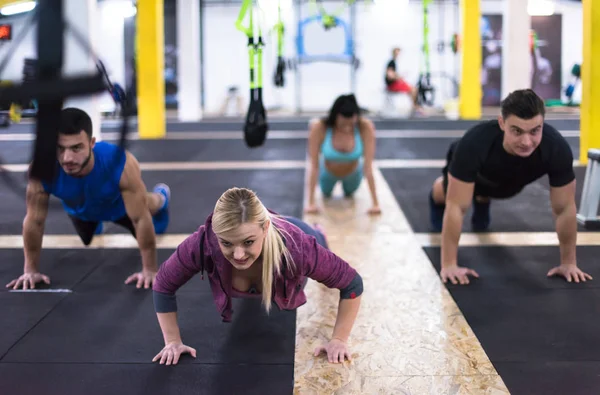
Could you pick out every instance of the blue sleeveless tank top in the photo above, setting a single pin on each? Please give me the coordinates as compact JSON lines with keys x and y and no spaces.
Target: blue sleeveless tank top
{"x":97,"y":196}
{"x":331,"y":154}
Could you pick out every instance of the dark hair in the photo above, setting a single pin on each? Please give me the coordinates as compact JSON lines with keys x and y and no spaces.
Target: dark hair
{"x":344,"y":105}
{"x":74,"y":120}
{"x":523,"y":103}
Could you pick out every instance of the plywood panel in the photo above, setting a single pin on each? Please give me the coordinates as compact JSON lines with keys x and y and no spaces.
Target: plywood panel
{"x":409,"y":336}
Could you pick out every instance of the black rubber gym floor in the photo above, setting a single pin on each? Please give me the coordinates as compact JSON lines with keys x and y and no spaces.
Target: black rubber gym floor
{"x":193,"y":196}
{"x":529,"y":211}
{"x":540,"y":333}
{"x":101,"y":337}
{"x":19,"y":152}
{"x":185,"y":150}
{"x":301,"y":123}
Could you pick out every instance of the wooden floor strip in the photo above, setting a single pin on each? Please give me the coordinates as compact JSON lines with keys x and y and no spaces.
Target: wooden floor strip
{"x":410,"y":336}
{"x":263,"y":165}
{"x":392,"y":225}
{"x":512,"y":239}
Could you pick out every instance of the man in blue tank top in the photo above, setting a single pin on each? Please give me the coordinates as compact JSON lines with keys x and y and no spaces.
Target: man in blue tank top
{"x":95,"y":182}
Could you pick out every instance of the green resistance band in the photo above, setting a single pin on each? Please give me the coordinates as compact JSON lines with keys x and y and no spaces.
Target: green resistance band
{"x":280,"y":31}
{"x":279,"y":77}
{"x":426,"y":91}
{"x":426,"y":4}
{"x":255,"y":50}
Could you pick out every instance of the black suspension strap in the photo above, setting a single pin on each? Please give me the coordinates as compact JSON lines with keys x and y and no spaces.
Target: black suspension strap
{"x":50,"y":88}
{"x":256,"y":126}
{"x":426,"y":91}
{"x":279,"y":78}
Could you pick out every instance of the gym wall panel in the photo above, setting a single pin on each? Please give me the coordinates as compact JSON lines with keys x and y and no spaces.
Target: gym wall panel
{"x":572,"y":42}
{"x":14,"y":68}
{"x":377,"y":32}
{"x":321,"y":83}
{"x":381,"y":29}
{"x":571,"y":35}
{"x":225,"y":58}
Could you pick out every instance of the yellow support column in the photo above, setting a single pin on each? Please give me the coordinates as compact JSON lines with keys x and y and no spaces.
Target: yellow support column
{"x":590,"y":80}
{"x":150,"y":44}
{"x":470,"y":92}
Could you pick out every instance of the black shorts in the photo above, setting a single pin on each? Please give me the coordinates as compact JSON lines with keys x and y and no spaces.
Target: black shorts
{"x":86,"y":229}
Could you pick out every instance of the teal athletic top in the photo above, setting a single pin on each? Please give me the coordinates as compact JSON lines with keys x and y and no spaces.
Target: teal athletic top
{"x":97,"y":196}
{"x":331,"y":154}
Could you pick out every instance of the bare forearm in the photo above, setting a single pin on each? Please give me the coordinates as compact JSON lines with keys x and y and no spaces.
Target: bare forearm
{"x":566,"y":230}
{"x":347,"y":312}
{"x":371,"y":182}
{"x":169,"y":327}
{"x":144,"y":229}
{"x":453,"y":219}
{"x":33,"y":234}
{"x":312,"y":183}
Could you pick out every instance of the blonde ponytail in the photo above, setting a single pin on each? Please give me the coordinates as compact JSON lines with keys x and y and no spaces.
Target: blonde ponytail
{"x":274,"y":249}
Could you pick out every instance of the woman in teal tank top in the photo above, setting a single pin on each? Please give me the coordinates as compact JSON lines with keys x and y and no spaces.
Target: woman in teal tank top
{"x":341,"y":148}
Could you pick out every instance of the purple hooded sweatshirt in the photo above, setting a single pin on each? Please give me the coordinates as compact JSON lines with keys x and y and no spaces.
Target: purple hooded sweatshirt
{"x":200,"y":253}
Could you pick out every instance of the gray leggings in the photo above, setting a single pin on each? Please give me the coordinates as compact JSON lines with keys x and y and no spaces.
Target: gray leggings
{"x":308,"y":230}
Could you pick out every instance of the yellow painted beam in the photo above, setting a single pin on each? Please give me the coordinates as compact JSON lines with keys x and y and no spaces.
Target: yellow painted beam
{"x":4,"y":3}
{"x":470,"y":91}
{"x":150,"y":69}
{"x":590,"y":79}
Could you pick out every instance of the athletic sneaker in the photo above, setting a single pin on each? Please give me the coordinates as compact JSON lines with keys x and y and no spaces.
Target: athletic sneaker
{"x":161,"y":218}
{"x":480,"y":220}
{"x":436,"y":214}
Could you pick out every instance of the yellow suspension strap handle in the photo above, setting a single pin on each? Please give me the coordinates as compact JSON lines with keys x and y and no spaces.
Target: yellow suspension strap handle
{"x":329,"y":20}
{"x":256,"y":127}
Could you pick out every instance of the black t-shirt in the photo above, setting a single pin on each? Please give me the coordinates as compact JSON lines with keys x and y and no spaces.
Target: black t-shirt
{"x":480,"y":157}
{"x":390,"y":65}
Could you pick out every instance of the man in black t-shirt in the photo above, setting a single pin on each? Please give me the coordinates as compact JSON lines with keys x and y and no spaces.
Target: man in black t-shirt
{"x":496,"y":160}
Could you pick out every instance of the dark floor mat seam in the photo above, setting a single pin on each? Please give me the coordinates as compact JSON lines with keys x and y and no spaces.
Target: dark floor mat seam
{"x":42,"y":318}
{"x":32,"y":327}
{"x":88,"y":274}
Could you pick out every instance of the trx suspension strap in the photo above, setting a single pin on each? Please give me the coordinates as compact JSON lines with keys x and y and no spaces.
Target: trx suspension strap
{"x":256,"y":127}
{"x":279,"y":78}
{"x":49,"y":87}
{"x":425,"y":89}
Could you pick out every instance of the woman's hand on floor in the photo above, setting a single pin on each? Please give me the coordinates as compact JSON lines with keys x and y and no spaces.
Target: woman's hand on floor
{"x":337,"y":351}
{"x":170,"y":354}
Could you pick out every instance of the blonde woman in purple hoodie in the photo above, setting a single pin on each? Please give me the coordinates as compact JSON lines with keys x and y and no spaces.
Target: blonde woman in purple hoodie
{"x":245,"y":248}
